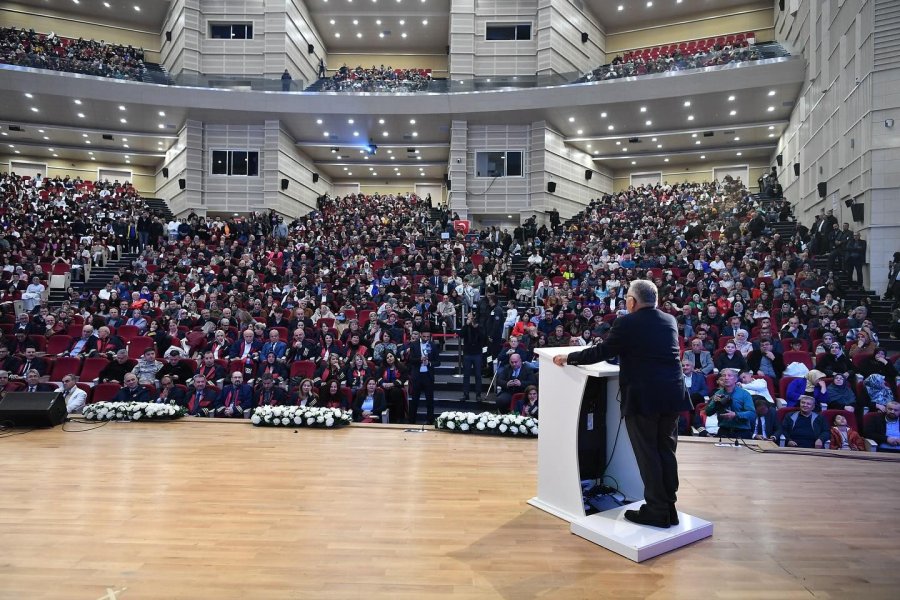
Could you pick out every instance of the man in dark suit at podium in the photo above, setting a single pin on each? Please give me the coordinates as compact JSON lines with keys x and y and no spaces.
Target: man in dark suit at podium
{"x":653,"y":393}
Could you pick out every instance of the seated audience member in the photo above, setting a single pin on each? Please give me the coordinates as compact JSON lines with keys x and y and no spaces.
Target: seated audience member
{"x":33,"y":383}
{"x":147,"y":367}
{"x":766,"y":361}
{"x":514,"y":346}
{"x":169,"y":393}
{"x":330,"y":395}
{"x":356,"y":373}
{"x":766,"y":426}
{"x":247,"y":348}
{"x":741,"y":342}
{"x":836,"y":361}
{"x":701,"y":358}
{"x":813,"y":384}
{"x":107,"y":344}
{"x":694,"y":382}
{"x":272,"y":366}
{"x":267,"y":393}
{"x":176,"y":368}
{"x":884,"y":428}
{"x":805,"y":428}
{"x":879,"y":363}
{"x":512,"y":379}
{"x":132,"y":391}
{"x":306,"y":395}
{"x":844,"y":438}
{"x":117,"y":368}
{"x":8,"y":362}
{"x":274,"y":345}
{"x":210,"y":369}
{"x":730,"y":358}
{"x":392,"y":376}
{"x":200,"y":399}
{"x":30,"y":362}
{"x":236,"y":399}
{"x":733,"y":405}
{"x":83,"y":345}
{"x":74,"y":396}
{"x":369,"y":403}
{"x":879,"y":392}
{"x":528,"y":406}
{"x":138,"y":320}
{"x":333,"y":368}
{"x":840,"y":396}
{"x":756,"y":386}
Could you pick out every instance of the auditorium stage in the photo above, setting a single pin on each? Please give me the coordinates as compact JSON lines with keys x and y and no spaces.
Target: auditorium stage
{"x":226,"y":510}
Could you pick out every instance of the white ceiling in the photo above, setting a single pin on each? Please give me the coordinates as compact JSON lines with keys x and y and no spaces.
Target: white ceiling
{"x":119,"y":12}
{"x":639,"y":14}
{"x":426,"y":24}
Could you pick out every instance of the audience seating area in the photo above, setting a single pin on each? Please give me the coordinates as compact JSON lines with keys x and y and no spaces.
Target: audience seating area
{"x":374,"y":79}
{"x":362,"y":276}
{"x":27,"y":48}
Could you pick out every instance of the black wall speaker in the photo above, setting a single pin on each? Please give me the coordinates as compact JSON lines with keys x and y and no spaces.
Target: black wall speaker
{"x":588,"y":173}
{"x":823,"y":189}
{"x":779,"y":159}
{"x":584,"y":37}
{"x":165,"y":171}
{"x":551,"y":186}
{"x":36,"y":409}
{"x":284,"y":184}
{"x":182,"y":183}
{"x":315,"y":178}
{"x":796,"y":169}
{"x":168,"y":36}
{"x":858,"y":214}
{"x":448,"y":184}
{"x":310,"y":48}
{"x":780,"y":4}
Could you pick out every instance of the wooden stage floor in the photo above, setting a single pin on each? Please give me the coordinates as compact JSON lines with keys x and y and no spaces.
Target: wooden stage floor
{"x":226,"y":510}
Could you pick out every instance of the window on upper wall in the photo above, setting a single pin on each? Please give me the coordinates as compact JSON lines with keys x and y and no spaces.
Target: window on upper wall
{"x":498,"y":164}
{"x":495,"y":32}
{"x":235,"y":162}
{"x":231,"y":31}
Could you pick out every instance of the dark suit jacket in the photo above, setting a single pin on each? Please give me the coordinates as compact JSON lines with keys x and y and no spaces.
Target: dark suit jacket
{"x":37,"y":363}
{"x":650,"y":377}
{"x":235,"y":350}
{"x":243,"y":400}
{"x":771,"y":427}
{"x":43,"y":387}
{"x":140,"y":394}
{"x":526,"y":377}
{"x":177,"y":396}
{"x":380,"y":404}
{"x":113,"y":343}
{"x":206,"y":401}
{"x":89,"y":345}
{"x":698,"y":384}
{"x":415,"y":360}
{"x":279,"y":396}
{"x":754,"y":359}
{"x":877,"y":429}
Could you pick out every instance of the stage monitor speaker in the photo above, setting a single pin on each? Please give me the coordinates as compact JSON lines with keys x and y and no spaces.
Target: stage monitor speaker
{"x":551,"y":186}
{"x":32,"y":409}
{"x":182,"y":183}
{"x":584,"y":37}
{"x":168,"y":36}
{"x":315,"y":178}
{"x":796,"y":169}
{"x":779,"y":159}
{"x":166,"y":172}
{"x":823,"y":189}
{"x":588,"y":173}
{"x":310,"y":48}
{"x":284,"y":184}
{"x":858,"y":214}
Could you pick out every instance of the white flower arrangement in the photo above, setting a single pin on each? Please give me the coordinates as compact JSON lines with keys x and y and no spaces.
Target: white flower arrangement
{"x":490,"y":423}
{"x":301,"y":416}
{"x":133,"y":411}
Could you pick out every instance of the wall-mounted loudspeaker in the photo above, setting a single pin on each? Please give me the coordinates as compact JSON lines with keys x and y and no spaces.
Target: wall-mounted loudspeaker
{"x":584,"y":37}
{"x":166,"y":172}
{"x":779,"y":159}
{"x":182,"y":183}
{"x":780,"y":4}
{"x":448,"y":184}
{"x":315,"y":178}
{"x":823,"y":189}
{"x":857,"y":211}
{"x":551,"y":186}
{"x":588,"y":173}
{"x":284,"y":184}
{"x":796,"y":169}
{"x":168,"y":36}
{"x":310,"y":48}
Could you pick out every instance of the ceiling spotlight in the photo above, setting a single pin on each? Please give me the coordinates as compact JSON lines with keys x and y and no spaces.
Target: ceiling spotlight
{"x":412,"y":121}
{"x":621,"y":7}
{"x":350,"y":121}
{"x":702,"y":157}
{"x":687,"y":103}
{"x":659,"y":145}
{"x":122,"y":121}
{"x":771,"y":127}
{"x":618,"y":143}
{"x":29,"y":95}
{"x":87,"y":141}
{"x":381,"y":121}
{"x":731,"y":98}
{"x":56,"y":156}
{"x":355,"y":134}
{"x":331,"y":21}
{"x":580,"y":131}
{"x":771,"y":109}
{"x":603,"y":115}
{"x":610,"y":127}
{"x":415,"y":134}
{"x":690,"y":117}
{"x":403,"y":35}
{"x":634,"y":162}
{"x":424,"y":21}
{"x":732,"y":113}
{"x":643,"y":109}
{"x":358,"y":34}
{"x":771,"y":92}
{"x":737,"y":138}
{"x":325,"y":133}
{"x":739,"y":153}
{"x":83,"y":135}
{"x":649,"y":4}
{"x":402,"y":22}
{"x":381,"y":35}
{"x":571,"y":119}
{"x":355,"y":22}
{"x":162,"y":113}
{"x":693,"y":135}
{"x":378,"y":21}
{"x":771,"y":135}
{"x":652,"y":139}
{"x":162,"y":125}
{"x":80,"y":115}
{"x":137,"y":8}
{"x":384,"y":133}
{"x":77,"y":101}
{"x":121,"y":107}
{"x":34,"y":109}
{"x":697,"y":142}
{"x":318,"y":121}
{"x":337,"y":35}
{"x":46,"y":137}
{"x":648,"y":123}
{"x":665,"y":160}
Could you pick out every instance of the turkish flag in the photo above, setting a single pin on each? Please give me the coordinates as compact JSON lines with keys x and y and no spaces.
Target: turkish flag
{"x":461,"y":226}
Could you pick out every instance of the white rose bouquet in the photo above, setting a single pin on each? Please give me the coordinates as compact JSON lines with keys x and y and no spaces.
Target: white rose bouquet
{"x":132,"y":411}
{"x":491,"y":423}
{"x":301,"y":416}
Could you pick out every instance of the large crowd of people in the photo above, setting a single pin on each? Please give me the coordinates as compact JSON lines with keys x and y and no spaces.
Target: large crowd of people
{"x":375,"y":79}
{"x":27,"y":48}
{"x":349,"y":305}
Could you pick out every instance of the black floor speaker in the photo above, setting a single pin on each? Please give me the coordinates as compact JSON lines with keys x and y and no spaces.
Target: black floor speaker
{"x":36,"y":409}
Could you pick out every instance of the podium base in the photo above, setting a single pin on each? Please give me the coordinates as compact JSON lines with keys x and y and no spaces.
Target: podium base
{"x":555,"y":511}
{"x":636,"y":542}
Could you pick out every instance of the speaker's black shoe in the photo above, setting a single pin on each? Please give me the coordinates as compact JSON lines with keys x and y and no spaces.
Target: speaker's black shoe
{"x":641,"y":518}
{"x":673,"y":515}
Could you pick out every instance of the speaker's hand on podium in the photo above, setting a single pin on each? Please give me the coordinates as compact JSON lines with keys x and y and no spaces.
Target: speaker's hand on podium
{"x":560,"y":360}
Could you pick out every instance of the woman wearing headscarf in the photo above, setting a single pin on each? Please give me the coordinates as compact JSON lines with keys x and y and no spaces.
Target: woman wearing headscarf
{"x":840,"y":396}
{"x":813,"y":385}
{"x":740,"y":341}
{"x":879,"y":393}
{"x":835,"y":362}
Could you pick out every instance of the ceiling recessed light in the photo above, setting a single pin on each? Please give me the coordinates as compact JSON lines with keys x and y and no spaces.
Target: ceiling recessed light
{"x":355,"y":134}
{"x":624,"y":149}
{"x":737,"y":138}
{"x":80,"y":115}
{"x":318,"y":121}
{"x":687,"y":103}
{"x":162,"y":113}
{"x":358,"y":34}
{"x":652,"y":139}
{"x":621,"y":7}
{"x":56,"y":156}
{"x":702,"y":156}
{"x":648,"y":123}
{"x":415,"y":134}
{"x":381,"y":121}
{"x":42,"y":131}
{"x":603,"y":115}
{"x":378,"y":21}
{"x":424,"y":21}
{"x":571,"y":119}
{"x":337,"y":35}
{"x":693,"y":135}
{"x":137,"y":8}
{"x":740,"y":153}
{"x":355,"y":22}
{"x":350,"y":121}
{"x":124,"y":139}
{"x":92,"y":158}
{"x":418,"y":158}
{"x":393,"y":158}
{"x":384,"y":133}
{"x":331,"y":21}
{"x":643,"y":109}
{"x":771,"y":135}
{"x":122,"y":121}
{"x":771,"y":109}
{"x":390,"y":151}
{"x":402,"y":22}
{"x":610,"y":127}
{"x":34,"y":109}
{"x":381,"y":35}
{"x":690,"y":117}
{"x":349,"y":172}
{"x":125,"y":145}
{"x":659,"y":145}
{"x":596,"y":152}
{"x":412,"y":121}
{"x":403,"y":35}
{"x":649,"y":4}
{"x":162,"y":125}
{"x":771,"y":127}
{"x":325,"y":133}
{"x":16,"y":151}
{"x":771,"y":92}
{"x":618,"y":143}
{"x":732,"y":113}
{"x":77,"y":101}
{"x":362,"y":151}
{"x":29,"y":95}
{"x":87,"y":141}
{"x":345,"y":168}
{"x":731,"y":98}
{"x":665,"y":160}
{"x":83,"y":135}
{"x":589,"y":146}
{"x":697,"y":142}
{"x":580,"y":131}
{"x":46,"y":137}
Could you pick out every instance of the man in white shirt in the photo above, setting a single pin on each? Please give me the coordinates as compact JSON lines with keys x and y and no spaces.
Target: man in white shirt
{"x":74,"y":396}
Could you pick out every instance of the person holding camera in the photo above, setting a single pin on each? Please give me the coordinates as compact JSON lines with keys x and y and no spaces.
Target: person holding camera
{"x":734,"y":407}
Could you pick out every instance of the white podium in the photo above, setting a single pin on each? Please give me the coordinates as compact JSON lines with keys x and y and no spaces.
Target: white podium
{"x":559,"y":482}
